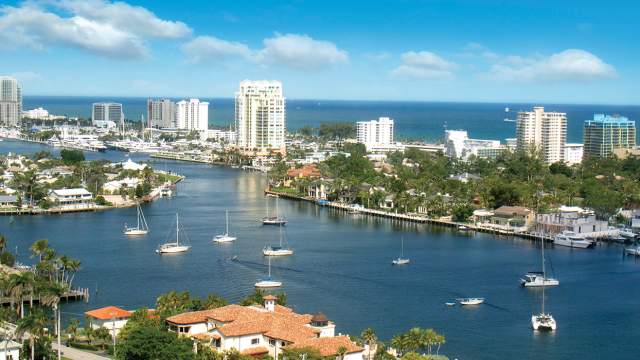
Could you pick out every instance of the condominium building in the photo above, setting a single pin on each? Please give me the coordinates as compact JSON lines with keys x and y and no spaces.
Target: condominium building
{"x":161,"y":113}
{"x":260,"y":116}
{"x":375,"y":133}
{"x":543,"y":132}
{"x":458,"y":145}
{"x":573,"y":153}
{"x":10,"y":101}
{"x":605,"y":133}
{"x":192,"y":115}
{"x":107,"y":114}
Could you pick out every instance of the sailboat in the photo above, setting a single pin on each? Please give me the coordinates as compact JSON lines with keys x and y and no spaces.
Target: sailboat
{"x":225,"y":238}
{"x":173,"y":247}
{"x":543,"y":321}
{"x":277,"y":250}
{"x":268,"y":282}
{"x":141,"y":228}
{"x":401,"y":260}
{"x":274,"y":220}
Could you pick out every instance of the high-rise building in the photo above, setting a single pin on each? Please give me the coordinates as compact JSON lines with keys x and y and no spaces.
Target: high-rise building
{"x":107,"y":114}
{"x":543,"y":132}
{"x":260,"y":116}
{"x":161,"y":113}
{"x":10,"y":101}
{"x":192,"y":115}
{"x":375,"y":133}
{"x":605,"y":133}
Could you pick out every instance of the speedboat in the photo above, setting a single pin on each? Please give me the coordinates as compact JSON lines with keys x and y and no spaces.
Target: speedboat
{"x":536,"y":279}
{"x":273,"y":220}
{"x":463,"y":228}
{"x":471,"y":301}
{"x":627,"y":233}
{"x":543,"y":322}
{"x":571,"y":239}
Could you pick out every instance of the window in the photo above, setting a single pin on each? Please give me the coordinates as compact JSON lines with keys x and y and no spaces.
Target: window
{"x":255,"y":341}
{"x":272,"y":342}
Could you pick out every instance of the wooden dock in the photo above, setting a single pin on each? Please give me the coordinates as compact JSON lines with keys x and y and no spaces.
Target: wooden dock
{"x":71,"y":295}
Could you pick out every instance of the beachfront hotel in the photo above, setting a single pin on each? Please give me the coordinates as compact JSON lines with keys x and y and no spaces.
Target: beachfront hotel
{"x":376,"y":134}
{"x":542,"y":131}
{"x":192,"y":114}
{"x":161,"y":113}
{"x":107,"y":114}
{"x":604,"y":134}
{"x":10,"y":101}
{"x":260,"y":116}
{"x":265,"y":329}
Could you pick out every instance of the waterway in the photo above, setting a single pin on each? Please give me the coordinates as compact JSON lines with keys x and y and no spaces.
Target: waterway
{"x":342,"y":267}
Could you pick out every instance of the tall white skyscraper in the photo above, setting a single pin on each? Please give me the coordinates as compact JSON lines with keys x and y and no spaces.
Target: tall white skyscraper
{"x":260,"y":115}
{"x":544,"y":132}
{"x":107,"y":114}
{"x":375,"y":133}
{"x":161,"y":113}
{"x":10,"y":101}
{"x":192,"y":115}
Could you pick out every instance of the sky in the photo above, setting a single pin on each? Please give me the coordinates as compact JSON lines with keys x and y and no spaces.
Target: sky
{"x":431,"y":50}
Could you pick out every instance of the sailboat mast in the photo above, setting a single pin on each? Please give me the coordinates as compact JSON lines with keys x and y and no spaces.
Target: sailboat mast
{"x":402,"y":247}
{"x":544,"y":275}
{"x":227,"y":216}
{"x":138,"y":217}
{"x":280,"y":227}
{"x":269,"y":266}
{"x":177,"y":229}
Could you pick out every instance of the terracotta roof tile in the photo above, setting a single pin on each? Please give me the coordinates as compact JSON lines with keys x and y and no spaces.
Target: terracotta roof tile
{"x":255,"y":351}
{"x":109,"y":312}
{"x":328,"y":346}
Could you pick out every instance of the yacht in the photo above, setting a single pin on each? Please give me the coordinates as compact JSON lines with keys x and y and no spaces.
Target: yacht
{"x":173,"y":247}
{"x":268,"y":282}
{"x":627,"y":233}
{"x":401,"y":260}
{"x":537,"y":279}
{"x":274,"y":220}
{"x":471,"y":301}
{"x":277,"y":250}
{"x":225,"y":238}
{"x":571,"y":239}
{"x":632,"y":251}
{"x":141,"y":228}
{"x":543,"y":321}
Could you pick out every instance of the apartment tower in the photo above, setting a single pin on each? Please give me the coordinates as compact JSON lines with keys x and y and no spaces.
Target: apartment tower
{"x":260,"y":116}
{"x":10,"y":101}
{"x":543,"y":132}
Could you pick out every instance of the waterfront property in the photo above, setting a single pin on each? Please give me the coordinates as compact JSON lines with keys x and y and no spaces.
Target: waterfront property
{"x":262,"y":329}
{"x":10,"y":350}
{"x":572,"y":218}
{"x":76,"y":197}
{"x":512,"y":218}
{"x":112,"y":318}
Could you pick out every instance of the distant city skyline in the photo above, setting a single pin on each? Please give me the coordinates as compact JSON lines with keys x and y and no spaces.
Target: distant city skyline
{"x":462,"y":51}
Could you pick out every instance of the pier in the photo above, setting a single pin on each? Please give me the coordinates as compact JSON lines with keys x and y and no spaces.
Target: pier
{"x":71,"y":295}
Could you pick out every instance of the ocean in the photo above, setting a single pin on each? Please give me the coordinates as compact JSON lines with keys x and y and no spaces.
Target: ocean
{"x":413,"y":120}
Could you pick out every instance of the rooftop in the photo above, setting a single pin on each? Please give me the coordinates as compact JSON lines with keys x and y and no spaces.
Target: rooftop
{"x":109,"y":312}
{"x":328,"y":346}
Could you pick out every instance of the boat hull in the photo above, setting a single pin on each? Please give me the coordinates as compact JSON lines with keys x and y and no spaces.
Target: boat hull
{"x":473,"y":301}
{"x":268,"y":284}
{"x":135,"y":232}
{"x":221,"y":239}
{"x":172,"y":249}
{"x":543,"y":322}
{"x":548,"y":282}
{"x":274,"y":222}
{"x":282,"y":252}
{"x":400,"y":262}
{"x":578,"y":244}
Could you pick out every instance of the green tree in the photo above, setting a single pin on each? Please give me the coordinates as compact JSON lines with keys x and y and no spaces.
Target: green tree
{"x":71,"y":157}
{"x":146,"y":342}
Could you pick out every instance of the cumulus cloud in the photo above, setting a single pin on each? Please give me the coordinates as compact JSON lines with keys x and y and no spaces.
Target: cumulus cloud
{"x":294,"y":51}
{"x":109,"y":29}
{"x":209,"y":48}
{"x":424,"y":65}
{"x":568,"y":65}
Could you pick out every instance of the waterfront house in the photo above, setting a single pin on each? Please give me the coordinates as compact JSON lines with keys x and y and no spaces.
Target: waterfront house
{"x":259,"y":330}
{"x":130,"y":165}
{"x":512,"y":218}
{"x":571,"y":218}
{"x":8,"y":200}
{"x":10,"y":350}
{"x":110,"y":317}
{"x":71,"y":197}
{"x":635,"y":220}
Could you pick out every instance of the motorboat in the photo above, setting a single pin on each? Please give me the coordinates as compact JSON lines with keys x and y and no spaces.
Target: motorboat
{"x":627,"y":233}
{"x":463,"y":228}
{"x":537,"y":279}
{"x":632,"y":251}
{"x":571,"y":239}
{"x":225,"y":238}
{"x":543,"y":322}
{"x":141,"y":228}
{"x":471,"y":301}
{"x":173,"y":247}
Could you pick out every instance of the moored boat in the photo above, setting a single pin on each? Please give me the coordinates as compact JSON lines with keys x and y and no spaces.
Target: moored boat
{"x":471,"y":301}
{"x":571,"y":239}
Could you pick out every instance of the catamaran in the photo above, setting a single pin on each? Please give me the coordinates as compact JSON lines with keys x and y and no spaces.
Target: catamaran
{"x":141,"y":228}
{"x":173,"y":247}
{"x":543,"y":321}
{"x":225,"y":238}
{"x":401,"y":260}
{"x":571,"y":239}
{"x":277,"y":250}
{"x":268,"y":282}
{"x":274,"y":220}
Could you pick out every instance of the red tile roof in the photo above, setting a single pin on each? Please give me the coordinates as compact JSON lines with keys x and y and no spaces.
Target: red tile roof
{"x":270,"y":297}
{"x":259,"y":350}
{"x":109,"y":312}
{"x":328,"y":346}
{"x":310,"y":170}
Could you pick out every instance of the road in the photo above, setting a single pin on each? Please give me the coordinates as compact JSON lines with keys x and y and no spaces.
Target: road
{"x":75,"y":354}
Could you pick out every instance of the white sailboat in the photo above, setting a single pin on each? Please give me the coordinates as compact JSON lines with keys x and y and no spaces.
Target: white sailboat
{"x":225,"y":238}
{"x":274,"y":220}
{"x":543,"y":321}
{"x":401,"y":260}
{"x":141,"y":228}
{"x":173,"y":247}
{"x":277,"y":250}
{"x":268,"y":282}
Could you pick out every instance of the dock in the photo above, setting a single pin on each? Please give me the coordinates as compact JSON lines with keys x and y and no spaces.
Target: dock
{"x":71,"y":295}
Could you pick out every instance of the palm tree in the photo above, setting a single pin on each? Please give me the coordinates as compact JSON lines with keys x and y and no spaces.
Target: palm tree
{"x":38,"y":248}
{"x":3,"y":243}
{"x":17,"y":286}
{"x":399,"y":343}
{"x":370,"y":338}
{"x":72,"y":329}
{"x":32,"y":325}
{"x":439,"y":340}
{"x":50,"y":295}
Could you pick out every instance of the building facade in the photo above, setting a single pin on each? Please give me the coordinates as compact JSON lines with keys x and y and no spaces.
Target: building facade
{"x":606,"y":133}
{"x":192,"y":115}
{"x":260,"y":116}
{"x":543,"y":132}
{"x":458,"y":145}
{"x":161,"y":113}
{"x":106,"y":114}
{"x":573,"y":154}
{"x":10,"y":101}
{"x":376,"y":133}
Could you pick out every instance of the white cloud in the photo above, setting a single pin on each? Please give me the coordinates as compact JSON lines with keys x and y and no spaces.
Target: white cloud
{"x":424,"y":65}
{"x":568,"y":65}
{"x":377,"y":56}
{"x":209,"y":48}
{"x":115,"y":30}
{"x":301,"y":52}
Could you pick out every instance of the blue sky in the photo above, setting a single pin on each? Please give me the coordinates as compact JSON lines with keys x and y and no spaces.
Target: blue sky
{"x":502,"y":51}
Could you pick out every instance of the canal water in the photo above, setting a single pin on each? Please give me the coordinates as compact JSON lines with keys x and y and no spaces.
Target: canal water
{"x":342,"y":267}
